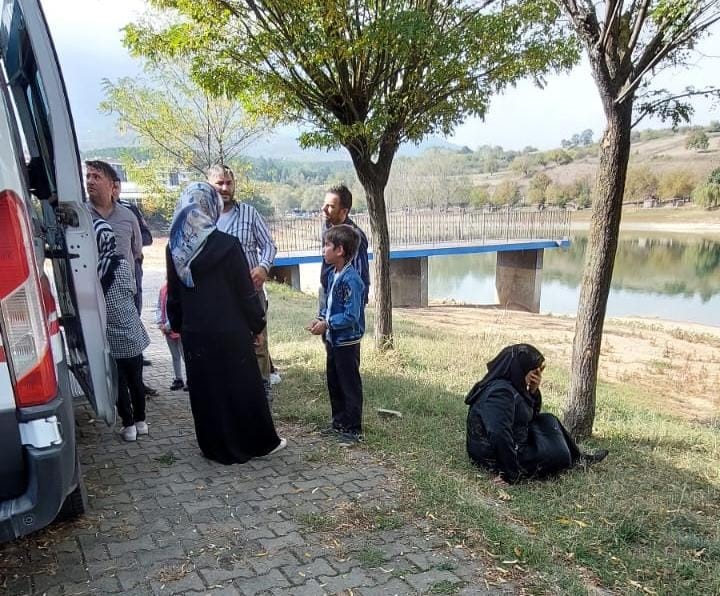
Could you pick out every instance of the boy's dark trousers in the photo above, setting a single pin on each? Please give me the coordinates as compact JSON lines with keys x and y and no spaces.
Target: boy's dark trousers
{"x":131,"y":391}
{"x":345,"y":386}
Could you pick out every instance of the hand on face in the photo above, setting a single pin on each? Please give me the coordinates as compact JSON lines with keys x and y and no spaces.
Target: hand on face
{"x":533,"y":379}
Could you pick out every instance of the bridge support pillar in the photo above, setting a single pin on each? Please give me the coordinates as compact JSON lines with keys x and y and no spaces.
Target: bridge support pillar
{"x":409,"y":281}
{"x":287,"y":274}
{"x":518,"y":279}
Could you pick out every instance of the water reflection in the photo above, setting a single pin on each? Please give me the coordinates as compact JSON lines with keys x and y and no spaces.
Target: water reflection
{"x":675,"y":277}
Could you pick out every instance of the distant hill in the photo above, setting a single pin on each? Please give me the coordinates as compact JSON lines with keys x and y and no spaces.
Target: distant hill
{"x":281,"y":144}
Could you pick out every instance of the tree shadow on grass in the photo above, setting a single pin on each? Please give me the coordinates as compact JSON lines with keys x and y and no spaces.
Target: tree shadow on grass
{"x":641,"y":518}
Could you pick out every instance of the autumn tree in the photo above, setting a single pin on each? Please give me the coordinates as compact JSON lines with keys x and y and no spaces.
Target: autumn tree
{"x":640,"y":184}
{"x":363,"y":75}
{"x":626,"y":44}
{"x":537,"y":187}
{"x":171,"y":114}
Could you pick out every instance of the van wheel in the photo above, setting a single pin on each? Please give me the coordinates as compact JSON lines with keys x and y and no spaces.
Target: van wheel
{"x":76,"y":503}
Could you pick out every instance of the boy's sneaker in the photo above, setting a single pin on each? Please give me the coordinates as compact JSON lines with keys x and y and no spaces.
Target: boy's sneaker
{"x":348,"y":439}
{"x":129,"y":433}
{"x":274,"y":378}
{"x":142,"y":428}
{"x":177,"y":384}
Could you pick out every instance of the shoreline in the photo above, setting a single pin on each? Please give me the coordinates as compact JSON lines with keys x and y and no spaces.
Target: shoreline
{"x":668,"y":227}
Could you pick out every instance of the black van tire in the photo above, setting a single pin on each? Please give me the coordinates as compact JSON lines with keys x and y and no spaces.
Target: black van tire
{"x":76,"y":503}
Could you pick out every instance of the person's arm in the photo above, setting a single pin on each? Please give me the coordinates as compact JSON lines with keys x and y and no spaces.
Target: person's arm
{"x":497,"y":410}
{"x":245,"y":290}
{"x":265,"y":243}
{"x":173,"y":308}
{"x":136,"y":241}
{"x":352,"y":295}
{"x":362,"y":266}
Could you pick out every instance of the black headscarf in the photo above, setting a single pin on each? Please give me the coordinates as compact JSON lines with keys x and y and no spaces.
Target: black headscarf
{"x":512,"y":364}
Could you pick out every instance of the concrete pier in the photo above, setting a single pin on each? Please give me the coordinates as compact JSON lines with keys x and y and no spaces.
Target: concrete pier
{"x":409,"y":281}
{"x":518,"y":279}
{"x":287,"y":274}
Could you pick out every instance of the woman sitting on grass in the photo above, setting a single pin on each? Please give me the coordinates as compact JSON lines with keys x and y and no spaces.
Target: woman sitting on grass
{"x":506,"y":433}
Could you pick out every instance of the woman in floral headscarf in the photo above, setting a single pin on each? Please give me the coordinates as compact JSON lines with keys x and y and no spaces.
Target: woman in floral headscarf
{"x":213,"y":304}
{"x":506,"y":433}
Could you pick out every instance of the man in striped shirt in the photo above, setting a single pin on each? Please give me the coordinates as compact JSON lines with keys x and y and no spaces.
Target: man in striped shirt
{"x":247,"y":225}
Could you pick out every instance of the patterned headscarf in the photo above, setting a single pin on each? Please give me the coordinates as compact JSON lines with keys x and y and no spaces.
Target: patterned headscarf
{"x":195,"y":218}
{"x":512,"y":364}
{"x":108,"y":259}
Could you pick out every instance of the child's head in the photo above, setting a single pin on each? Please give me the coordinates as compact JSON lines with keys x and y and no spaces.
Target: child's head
{"x":341,"y":245}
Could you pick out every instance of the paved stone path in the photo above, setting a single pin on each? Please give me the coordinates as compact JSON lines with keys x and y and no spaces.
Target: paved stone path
{"x":314,"y":519}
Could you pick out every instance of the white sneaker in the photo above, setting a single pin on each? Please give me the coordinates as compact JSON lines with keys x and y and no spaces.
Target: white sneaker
{"x":280,"y":447}
{"x":142,"y":428}
{"x":275,"y":378}
{"x":129,"y":433}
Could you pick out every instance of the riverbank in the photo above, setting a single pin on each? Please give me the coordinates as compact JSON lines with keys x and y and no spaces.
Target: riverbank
{"x":680,"y":220}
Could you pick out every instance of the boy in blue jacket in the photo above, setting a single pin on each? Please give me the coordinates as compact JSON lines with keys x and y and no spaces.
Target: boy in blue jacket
{"x":341,"y":323}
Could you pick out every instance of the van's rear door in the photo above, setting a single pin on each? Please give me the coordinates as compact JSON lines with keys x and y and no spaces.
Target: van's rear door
{"x":33,"y":78}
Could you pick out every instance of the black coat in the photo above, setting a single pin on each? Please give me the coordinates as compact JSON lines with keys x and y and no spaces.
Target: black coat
{"x":217,"y":319}
{"x":507,"y":434}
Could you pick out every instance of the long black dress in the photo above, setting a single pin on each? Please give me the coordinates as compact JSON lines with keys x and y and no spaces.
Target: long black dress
{"x":217,"y":319}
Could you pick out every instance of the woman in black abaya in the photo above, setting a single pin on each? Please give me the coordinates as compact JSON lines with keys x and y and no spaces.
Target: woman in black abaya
{"x":213,"y":304}
{"x":507,"y":433}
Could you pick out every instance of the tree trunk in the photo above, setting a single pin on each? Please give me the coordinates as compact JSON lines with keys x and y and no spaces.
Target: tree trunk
{"x":373,"y":178}
{"x":579,"y":412}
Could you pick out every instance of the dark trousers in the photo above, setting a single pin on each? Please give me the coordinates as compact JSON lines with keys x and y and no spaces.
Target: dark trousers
{"x":345,"y":387}
{"x":131,"y":391}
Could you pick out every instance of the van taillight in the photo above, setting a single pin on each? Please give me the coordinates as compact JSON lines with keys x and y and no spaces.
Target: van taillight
{"x":26,"y":342}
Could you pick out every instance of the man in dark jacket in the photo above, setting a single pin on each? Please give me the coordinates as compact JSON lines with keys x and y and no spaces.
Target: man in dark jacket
{"x":336,"y":207}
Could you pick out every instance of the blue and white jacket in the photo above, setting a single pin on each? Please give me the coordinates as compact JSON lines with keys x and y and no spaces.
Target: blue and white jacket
{"x":344,"y":307}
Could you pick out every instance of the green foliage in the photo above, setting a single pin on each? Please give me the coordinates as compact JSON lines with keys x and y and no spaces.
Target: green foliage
{"x":479,"y":196}
{"x":364,"y":76}
{"x":582,"y":139}
{"x":676,"y":184}
{"x":698,"y":140}
{"x":640,"y":184}
{"x":560,"y":156}
{"x":506,"y":193}
{"x":714,"y":177}
{"x":707,"y":196}
{"x":537,"y":187}
{"x":173,"y":116}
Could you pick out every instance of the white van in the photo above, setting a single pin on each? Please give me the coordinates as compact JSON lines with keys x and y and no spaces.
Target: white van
{"x":52,"y":327}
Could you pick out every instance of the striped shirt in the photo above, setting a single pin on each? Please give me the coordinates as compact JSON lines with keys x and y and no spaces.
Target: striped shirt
{"x":247,"y":225}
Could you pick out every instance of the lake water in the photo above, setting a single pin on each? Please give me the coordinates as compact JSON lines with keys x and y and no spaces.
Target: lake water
{"x":667,"y":277}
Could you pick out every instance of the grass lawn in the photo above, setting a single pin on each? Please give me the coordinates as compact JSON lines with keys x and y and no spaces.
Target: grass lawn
{"x":644,"y":521}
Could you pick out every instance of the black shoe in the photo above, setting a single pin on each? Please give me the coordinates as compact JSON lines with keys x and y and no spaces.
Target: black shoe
{"x":147,"y":362}
{"x":595,"y":457}
{"x":330,"y":430}
{"x":186,"y":388}
{"x":177,"y":384}
{"x":348,"y":439}
{"x":149,"y":391}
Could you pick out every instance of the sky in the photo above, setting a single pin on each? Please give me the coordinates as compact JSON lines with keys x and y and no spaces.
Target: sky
{"x":88,"y":39}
